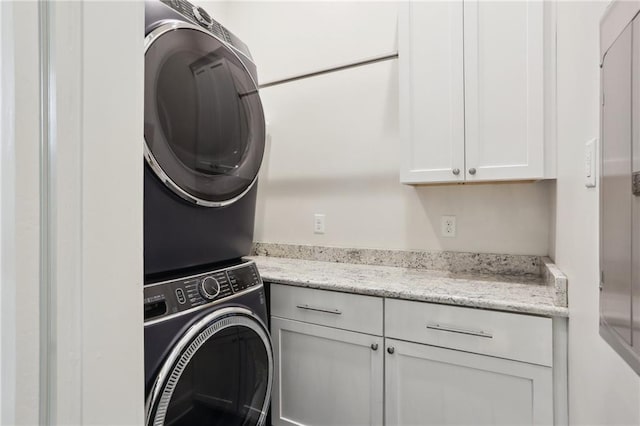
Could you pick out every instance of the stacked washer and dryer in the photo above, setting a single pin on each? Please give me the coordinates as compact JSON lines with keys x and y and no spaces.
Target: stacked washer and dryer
{"x":208,"y":354}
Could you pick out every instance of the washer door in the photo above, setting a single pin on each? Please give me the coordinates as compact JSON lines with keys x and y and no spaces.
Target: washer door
{"x":220,"y":373}
{"x":204,"y":125}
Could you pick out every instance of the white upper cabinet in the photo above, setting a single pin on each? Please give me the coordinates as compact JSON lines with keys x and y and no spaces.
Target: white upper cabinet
{"x":475,"y":80}
{"x":431,"y":90}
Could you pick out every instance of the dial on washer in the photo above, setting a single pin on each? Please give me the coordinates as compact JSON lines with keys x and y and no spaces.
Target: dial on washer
{"x":209,"y":288}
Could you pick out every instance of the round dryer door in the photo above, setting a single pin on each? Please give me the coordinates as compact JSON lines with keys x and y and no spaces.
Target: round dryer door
{"x":219,"y":373}
{"x":204,"y":125}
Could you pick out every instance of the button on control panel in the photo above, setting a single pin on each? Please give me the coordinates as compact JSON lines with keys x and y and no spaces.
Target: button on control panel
{"x":174,"y":296}
{"x":180,"y":296}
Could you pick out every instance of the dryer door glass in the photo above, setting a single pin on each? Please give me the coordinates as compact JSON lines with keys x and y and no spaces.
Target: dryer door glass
{"x":222,"y":378}
{"x":203,"y":120}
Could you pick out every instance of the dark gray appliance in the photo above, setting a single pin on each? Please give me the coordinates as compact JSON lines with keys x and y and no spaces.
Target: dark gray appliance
{"x":208,"y":354}
{"x":204,"y":140}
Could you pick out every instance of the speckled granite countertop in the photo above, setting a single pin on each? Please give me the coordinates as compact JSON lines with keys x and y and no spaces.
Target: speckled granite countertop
{"x":522,"y":294}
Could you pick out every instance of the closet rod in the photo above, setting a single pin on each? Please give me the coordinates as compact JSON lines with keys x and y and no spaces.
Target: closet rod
{"x":330,"y":70}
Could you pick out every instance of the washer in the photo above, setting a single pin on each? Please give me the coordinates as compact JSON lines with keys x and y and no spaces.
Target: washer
{"x":208,"y":354}
{"x":204,"y":132}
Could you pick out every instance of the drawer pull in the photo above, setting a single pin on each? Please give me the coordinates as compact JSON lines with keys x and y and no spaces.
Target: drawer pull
{"x":480,"y":333}
{"x":327,"y":311}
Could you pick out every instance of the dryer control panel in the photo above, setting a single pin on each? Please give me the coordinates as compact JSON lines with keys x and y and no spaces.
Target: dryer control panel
{"x":199,"y":16}
{"x":174,"y":296}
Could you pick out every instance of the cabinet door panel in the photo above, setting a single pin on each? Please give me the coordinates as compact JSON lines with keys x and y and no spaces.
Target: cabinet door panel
{"x":426,"y":385}
{"x":504,"y":89}
{"x":431,"y":92}
{"x":325,"y":376}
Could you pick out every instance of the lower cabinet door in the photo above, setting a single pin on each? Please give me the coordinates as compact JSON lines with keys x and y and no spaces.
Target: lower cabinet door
{"x":326,"y":376}
{"x":427,"y":385}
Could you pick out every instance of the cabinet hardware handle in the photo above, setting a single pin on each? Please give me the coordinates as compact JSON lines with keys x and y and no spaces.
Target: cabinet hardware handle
{"x":456,"y":171}
{"x":327,"y":311}
{"x":472,"y":171}
{"x":374,"y":346}
{"x":479,"y":333}
{"x":391,"y":349}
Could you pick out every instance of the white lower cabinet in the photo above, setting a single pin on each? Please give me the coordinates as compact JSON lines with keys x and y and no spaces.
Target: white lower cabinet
{"x":335,"y":363}
{"x":427,"y":385}
{"x":325,"y":376}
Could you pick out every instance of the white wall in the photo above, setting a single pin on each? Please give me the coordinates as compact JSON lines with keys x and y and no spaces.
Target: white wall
{"x":112,"y":211}
{"x":603,"y":390}
{"x":334,"y":142}
{"x":297,"y":37}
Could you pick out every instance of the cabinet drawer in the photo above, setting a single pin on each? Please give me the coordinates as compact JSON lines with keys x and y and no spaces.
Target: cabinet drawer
{"x":513,"y":336}
{"x":333,"y":309}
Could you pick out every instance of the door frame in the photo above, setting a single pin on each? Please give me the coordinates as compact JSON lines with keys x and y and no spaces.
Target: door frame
{"x":62,"y":223}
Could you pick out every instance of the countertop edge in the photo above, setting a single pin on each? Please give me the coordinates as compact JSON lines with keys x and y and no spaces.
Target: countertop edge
{"x":518,"y":308}
{"x":554,"y":277}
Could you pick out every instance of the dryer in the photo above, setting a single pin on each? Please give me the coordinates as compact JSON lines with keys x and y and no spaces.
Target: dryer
{"x":208,"y":354}
{"x":204,"y":132}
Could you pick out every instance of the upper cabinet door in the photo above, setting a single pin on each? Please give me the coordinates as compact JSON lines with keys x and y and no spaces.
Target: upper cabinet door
{"x":431,"y":92}
{"x":504,"y":90}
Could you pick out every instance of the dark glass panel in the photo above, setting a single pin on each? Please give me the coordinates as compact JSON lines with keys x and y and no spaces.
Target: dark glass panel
{"x":224,"y":384}
{"x":204,"y":122}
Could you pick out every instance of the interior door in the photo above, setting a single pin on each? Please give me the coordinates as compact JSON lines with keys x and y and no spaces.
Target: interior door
{"x":220,"y":373}
{"x":616,"y":188}
{"x":635,"y":169}
{"x":203,"y":119}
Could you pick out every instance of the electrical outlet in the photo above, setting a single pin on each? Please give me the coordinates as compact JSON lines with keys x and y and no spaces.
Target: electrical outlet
{"x":448,"y":226}
{"x":318,"y":223}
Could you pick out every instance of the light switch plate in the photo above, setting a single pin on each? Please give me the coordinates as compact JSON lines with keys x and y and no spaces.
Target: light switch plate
{"x":590,"y":169}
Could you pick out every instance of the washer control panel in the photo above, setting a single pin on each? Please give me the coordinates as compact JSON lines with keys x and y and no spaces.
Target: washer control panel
{"x":174,"y":296}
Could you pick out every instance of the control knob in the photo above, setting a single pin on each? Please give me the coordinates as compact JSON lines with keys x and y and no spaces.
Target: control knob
{"x":209,"y":288}
{"x":202,"y":17}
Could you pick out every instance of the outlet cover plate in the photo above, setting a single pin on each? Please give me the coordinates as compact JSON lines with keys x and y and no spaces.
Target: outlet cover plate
{"x":318,"y":223}
{"x":448,"y":226}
